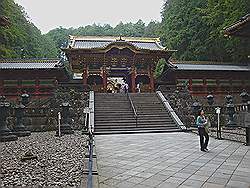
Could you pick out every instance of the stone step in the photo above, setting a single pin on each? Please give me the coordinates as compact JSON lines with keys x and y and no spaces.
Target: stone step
{"x":113,"y":113}
{"x":99,"y":117}
{"x":136,"y":131}
{"x":126,"y":126}
{"x":122,"y":124}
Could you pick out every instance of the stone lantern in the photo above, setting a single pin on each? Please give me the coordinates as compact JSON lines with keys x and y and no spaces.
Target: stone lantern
{"x":20,"y":129}
{"x":5,"y":133}
{"x":196,"y":106}
{"x":210,"y":99}
{"x":25,"y":99}
{"x":229,"y":99}
{"x":65,"y":127}
{"x":244,"y":96}
{"x":231,"y":114}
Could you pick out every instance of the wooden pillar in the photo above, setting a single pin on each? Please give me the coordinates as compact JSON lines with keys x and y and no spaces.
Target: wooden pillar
{"x":104,"y":78}
{"x":190,"y":85}
{"x":1,"y":87}
{"x":133,"y":76}
{"x":37,"y":87}
{"x":151,"y":79}
{"x":19,"y":88}
{"x":152,"y":83}
{"x":85,"y":75}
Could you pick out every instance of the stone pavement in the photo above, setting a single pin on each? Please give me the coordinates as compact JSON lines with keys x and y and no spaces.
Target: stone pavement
{"x":170,"y":160}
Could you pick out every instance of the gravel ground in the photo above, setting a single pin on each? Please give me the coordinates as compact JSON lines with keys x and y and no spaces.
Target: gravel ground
{"x":60,"y":161}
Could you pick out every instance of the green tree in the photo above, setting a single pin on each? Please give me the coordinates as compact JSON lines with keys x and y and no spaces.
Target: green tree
{"x":159,"y":67}
{"x":22,"y":38}
{"x":194,"y":28}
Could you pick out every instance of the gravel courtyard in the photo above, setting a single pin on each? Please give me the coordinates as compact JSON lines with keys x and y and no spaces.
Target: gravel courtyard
{"x":60,"y":161}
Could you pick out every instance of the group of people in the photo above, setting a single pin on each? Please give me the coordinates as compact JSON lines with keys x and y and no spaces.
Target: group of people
{"x":124,"y":88}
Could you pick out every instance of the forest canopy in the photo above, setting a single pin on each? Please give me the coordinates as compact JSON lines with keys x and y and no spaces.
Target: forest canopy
{"x":22,"y":38}
{"x":192,"y":27}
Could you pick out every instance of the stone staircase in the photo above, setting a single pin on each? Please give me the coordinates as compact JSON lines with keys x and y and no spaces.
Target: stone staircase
{"x":113,"y":114}
{"x":151,"y":112}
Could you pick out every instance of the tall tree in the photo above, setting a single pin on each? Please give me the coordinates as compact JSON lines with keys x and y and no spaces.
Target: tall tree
{"x":194,"y":28}
{"x":22,"y":38}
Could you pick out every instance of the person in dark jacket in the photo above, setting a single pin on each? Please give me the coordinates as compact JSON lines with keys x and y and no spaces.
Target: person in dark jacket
{"x":201,"y":122}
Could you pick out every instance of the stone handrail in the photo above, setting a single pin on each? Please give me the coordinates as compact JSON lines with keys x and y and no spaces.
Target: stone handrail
{"x":133,"y":107}
{"x":91,"y":111}
{"x":172,"y":112}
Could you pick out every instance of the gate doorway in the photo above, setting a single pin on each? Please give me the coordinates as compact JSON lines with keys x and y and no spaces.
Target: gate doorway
{"x":117,"y":78}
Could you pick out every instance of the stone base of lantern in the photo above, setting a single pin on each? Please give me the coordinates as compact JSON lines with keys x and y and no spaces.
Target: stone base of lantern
{"x":21,"y":131}
{"x":6,"y":136}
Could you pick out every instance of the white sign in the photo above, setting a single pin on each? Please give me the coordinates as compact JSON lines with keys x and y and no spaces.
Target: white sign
{"x":217,"y":110}
{"x":59,"y":124}
{"x":59,"y":115}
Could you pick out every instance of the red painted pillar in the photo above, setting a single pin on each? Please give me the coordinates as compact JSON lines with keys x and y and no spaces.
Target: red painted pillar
{"x":151,"y":80}
{"x":104,"y":79}
{"x":85,"y":75}
{"x":1,"y":87}
{"x":133,"y":76}
{"x":37,"y":87}
{"x":152,"y":83}
{"x":190,"y":84}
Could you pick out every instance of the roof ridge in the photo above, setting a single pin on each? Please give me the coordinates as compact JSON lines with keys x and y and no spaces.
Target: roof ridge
{"x":114,"y":38}
{"x":204,"y":62}
{"x":34,"y":60}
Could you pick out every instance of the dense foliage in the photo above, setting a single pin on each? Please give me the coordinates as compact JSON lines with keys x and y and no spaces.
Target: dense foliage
{"x":138,"y":29}
{"x":22,"y":38}
{"x":159,"y":67}
{"x":195,"y":29}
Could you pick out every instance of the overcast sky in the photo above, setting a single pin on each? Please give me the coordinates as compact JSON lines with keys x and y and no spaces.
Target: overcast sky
{"x":49,"y":14}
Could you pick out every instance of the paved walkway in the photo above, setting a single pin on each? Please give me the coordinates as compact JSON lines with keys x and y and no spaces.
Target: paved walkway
{"x":170,"y":160}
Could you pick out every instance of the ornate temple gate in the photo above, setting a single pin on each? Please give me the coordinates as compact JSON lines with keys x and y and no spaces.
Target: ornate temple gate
{"x":97,"y":58}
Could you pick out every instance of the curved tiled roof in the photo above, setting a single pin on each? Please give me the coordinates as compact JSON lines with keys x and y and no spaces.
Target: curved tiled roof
{"x":239,"y":28}
{"x":30,"y":63}
{"x":90,"y":42}
{"x":209,"y":66}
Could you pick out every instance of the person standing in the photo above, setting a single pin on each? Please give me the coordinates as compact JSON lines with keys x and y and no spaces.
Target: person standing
{"x":201,"y":122}
{"x":126,"y":87}
{"x":138,"y":88}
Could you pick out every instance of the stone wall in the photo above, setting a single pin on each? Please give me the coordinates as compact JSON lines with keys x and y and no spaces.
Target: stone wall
{"x":41,"y":114}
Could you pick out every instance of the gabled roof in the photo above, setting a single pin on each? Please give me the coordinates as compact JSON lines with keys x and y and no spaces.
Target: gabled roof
{"x":30,"y":63}
{"x":96,"y":42}
{"x":240,"y":28}
{"x":209,"y":66}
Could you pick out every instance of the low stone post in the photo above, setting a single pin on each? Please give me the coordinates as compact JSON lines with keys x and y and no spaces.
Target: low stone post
{"x":65,"y":126}
{"x":5,"y":133}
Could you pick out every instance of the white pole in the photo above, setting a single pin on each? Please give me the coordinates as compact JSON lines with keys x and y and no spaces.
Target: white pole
{"x":218,"y":122}
{"x":59,"y":124}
